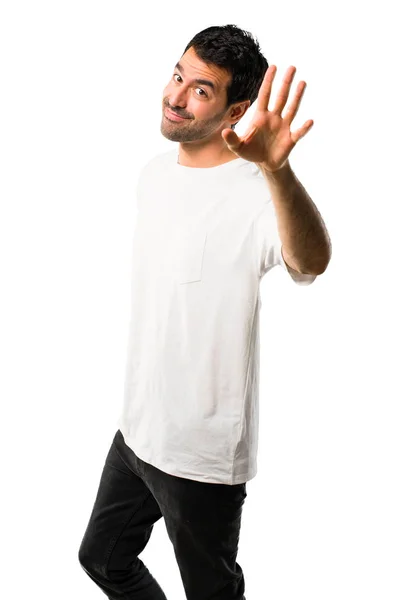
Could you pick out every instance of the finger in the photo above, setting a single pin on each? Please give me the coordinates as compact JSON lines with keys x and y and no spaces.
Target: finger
{"x":297,"y":135}
{"x":284,"y":91}
{"x":264,"y":92}
{"x":231,"y":138}
{"x":294,"y":106}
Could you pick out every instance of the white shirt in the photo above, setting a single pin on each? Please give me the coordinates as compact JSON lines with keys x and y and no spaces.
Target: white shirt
{"x":204,"y":238}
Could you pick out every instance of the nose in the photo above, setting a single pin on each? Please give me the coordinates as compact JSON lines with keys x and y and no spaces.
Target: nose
{"x":177,"y":100}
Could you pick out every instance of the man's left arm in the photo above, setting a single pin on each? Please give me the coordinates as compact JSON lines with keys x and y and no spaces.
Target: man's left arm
{"x":306,"y":245}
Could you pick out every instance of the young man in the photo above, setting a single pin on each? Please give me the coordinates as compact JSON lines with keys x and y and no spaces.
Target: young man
{"x":214,"y":216}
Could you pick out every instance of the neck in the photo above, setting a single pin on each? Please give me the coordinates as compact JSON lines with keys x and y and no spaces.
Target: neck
{"x":204,"y":158}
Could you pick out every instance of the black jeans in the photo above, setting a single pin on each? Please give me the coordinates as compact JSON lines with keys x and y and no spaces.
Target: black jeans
{"x":202,"y":521}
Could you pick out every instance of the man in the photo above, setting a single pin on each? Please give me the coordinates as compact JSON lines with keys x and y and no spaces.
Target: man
{"x":213,"y":217}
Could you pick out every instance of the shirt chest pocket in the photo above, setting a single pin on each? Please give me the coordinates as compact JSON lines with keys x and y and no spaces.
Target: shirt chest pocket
{"x":188,"y":255}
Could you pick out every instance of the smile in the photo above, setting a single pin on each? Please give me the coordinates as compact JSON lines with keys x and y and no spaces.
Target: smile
{"x":172,"y":116}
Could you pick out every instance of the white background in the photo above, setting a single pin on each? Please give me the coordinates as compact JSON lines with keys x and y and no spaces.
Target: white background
{"x":81,"y":94}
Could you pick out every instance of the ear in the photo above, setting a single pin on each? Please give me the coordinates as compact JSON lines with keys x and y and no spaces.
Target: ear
{"x":240,"y":109}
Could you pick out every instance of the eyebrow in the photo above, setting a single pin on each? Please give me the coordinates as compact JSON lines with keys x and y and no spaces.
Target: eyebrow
{"x":201,"y":81}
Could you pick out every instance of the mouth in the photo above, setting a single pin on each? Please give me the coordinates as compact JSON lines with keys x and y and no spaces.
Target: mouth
{"x":171,"y":116}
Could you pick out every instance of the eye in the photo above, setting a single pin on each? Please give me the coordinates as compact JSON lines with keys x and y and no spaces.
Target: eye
{"x":177,"y":75}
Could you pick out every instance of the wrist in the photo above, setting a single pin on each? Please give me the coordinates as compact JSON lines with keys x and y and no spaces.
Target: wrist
{"x":283,"y":175}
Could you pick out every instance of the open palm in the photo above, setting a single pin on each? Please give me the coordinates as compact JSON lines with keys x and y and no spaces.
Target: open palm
{"x":268,"y":139}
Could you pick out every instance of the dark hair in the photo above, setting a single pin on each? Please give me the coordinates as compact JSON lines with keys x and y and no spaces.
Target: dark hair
{"x":236,"y":51}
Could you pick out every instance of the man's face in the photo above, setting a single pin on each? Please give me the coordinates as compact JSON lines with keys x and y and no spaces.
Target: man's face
{"x":203,"y":106}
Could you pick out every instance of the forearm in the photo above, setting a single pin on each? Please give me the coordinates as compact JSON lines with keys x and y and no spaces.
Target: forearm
{"x":301,"y":229}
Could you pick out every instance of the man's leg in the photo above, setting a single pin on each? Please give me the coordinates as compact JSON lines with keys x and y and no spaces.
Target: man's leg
{"x":119,"y":528}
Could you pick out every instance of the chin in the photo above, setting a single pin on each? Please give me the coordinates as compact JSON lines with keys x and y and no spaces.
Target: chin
{"x":169,"y":135}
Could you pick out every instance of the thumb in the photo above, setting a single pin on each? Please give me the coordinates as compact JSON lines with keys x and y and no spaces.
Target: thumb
{"x":231,"y":138}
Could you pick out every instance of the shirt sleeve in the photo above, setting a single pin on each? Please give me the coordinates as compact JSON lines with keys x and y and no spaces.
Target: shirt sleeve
{"x":268,"y":246}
